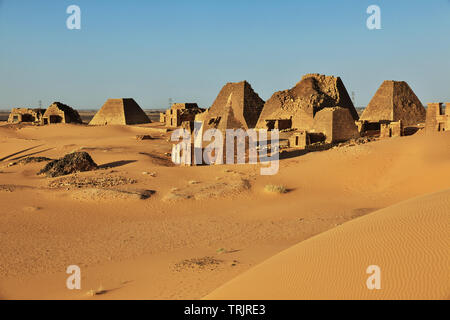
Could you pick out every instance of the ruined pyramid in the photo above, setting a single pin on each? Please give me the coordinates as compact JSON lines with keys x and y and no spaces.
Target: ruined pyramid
{"x":300,"y":104}
{"x":395,"y":101}
{"x":120,"y":111}
{"x":236,"y":106}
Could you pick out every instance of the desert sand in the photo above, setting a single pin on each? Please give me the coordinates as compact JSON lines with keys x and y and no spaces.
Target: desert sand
{"x":408,"y":241}
{"x":204,"y":226}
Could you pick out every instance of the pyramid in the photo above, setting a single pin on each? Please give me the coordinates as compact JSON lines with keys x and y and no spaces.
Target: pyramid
{"x":301,"y":103}
{"x":120,"y":111}
{"x":236,"y":106}
{"x":395,"y":101}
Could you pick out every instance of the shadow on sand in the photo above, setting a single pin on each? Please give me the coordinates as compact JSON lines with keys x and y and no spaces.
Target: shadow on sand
{"x":19,"y":152}
{"x":116,"y":164}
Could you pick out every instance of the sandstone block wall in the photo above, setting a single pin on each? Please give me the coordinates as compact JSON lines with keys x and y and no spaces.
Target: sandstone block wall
{"x":61,"y":113}
{"x":299,"y":139}
{"x":438,"y":120}
{"x":179,"y":113}
{"x":19,"y":115}
{"x":336,"y":124}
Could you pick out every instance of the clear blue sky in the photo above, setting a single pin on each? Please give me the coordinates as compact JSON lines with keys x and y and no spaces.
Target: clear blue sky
{"x":187,"y":50}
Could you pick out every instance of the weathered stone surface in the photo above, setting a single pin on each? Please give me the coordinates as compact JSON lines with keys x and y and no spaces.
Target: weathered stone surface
{"x":20,"y":115}
{"x":70,"y":163}
{"x":438,"y":119}
{"x":300,"y":104}
{"x":395,"y":101}
{"x":179,"y":113}
{"x":336,"y":123}
{"x":120,"y":112}
{"x":236,"y":107}
{"x":61,"y":113}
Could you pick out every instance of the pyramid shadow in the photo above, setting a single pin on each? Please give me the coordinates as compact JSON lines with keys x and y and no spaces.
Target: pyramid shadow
{"x":116,"y":164}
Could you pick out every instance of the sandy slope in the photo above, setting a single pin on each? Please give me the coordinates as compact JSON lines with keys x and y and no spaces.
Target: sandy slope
{"x":132,"y":245}
{"x":408,"y":241}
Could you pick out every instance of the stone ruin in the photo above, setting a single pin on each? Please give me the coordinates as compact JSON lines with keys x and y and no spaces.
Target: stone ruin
{"x":60,"y":113}
{"x":316,"y":108}
{"x":179,"y":113}
{"x":120,"y":112}
{"x":438,"y":119}
{"x":393,"y":107}
{"x":57,"y":112}
{"x":391,"y":129}
{"x":26,"y":115}
{"x":336,"y":124}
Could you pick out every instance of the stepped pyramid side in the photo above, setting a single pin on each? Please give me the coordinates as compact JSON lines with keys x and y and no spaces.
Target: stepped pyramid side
{"x":244,"y":103}
{"x":395,"y":101}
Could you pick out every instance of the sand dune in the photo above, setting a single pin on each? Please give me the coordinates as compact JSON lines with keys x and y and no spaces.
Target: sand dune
{"x":408,"y":241}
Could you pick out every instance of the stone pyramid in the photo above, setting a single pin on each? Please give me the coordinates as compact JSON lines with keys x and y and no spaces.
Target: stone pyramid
{"x":301,"y":103}
{"x":236,"y":106}
{"x":120,"y":111}
{"x":395,"y":101}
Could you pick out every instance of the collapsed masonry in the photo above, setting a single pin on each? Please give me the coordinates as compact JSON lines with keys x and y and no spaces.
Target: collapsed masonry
{"x":438,"y":117}
{"x":26,"y":115}
{"x":120,"y":112}
{"x":60,"y":113}
{"x":57,"y":112}
{"x":318,"y":108}
{"x":393,"y":107}
{"x":180,"y":113}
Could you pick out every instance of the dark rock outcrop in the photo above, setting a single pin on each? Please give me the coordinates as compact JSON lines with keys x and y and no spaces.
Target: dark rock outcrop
{"x":70,"y":163}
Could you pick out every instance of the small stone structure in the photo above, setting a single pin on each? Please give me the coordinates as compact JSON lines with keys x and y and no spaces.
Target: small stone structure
{"x":337,"y":124}
{"x":60,"y":113}
{"x":391,"y":129}
{"x":21,"y":115}
{"x":437,"y":119}
{"x":179,"y":113}
{"x":120,"y":112}
{"x":299,"y":139}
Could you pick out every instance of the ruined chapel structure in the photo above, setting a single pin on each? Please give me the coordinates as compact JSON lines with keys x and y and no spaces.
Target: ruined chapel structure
{"x":179,"y":113}
{"x":61,"y":113}
{"x":438,"y":117}
{"x":26,"y":115}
